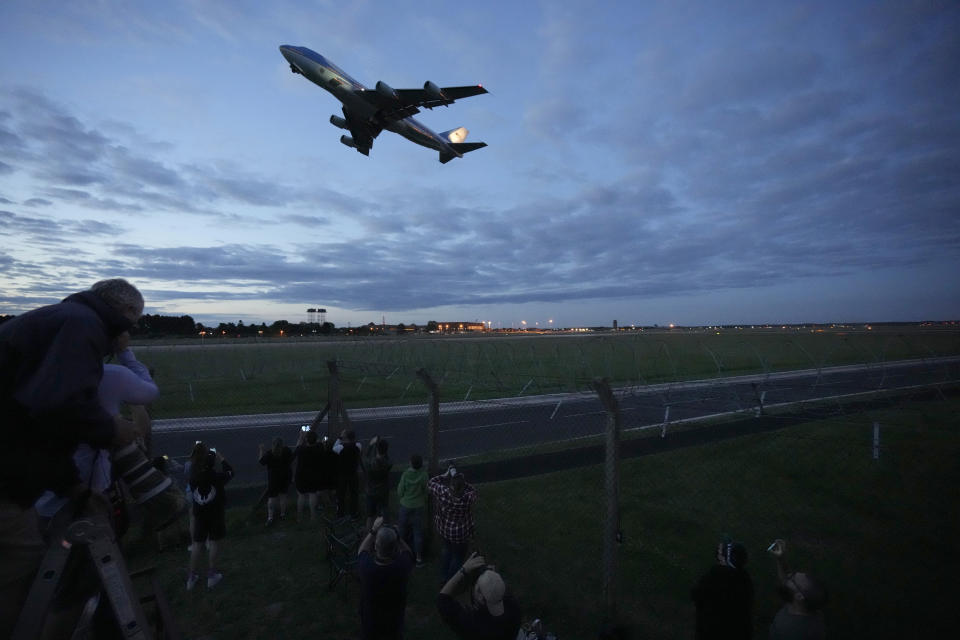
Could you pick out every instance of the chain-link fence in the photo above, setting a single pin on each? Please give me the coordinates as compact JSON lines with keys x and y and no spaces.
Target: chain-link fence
{"x":694,"y":435}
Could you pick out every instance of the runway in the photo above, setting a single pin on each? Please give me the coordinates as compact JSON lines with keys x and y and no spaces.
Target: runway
{"x":526,"y":423}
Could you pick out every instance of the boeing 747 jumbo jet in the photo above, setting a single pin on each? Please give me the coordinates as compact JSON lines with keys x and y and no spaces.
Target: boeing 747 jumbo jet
{"x":366,"y":113}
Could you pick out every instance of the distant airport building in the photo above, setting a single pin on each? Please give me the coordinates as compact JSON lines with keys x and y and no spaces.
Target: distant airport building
{"x":455,"y":327}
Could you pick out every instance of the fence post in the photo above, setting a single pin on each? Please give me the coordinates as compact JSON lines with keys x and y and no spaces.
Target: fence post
{"x":876,"y":440}
{"x":433,"y":420}
{"x":338,"y":415}
{"x":611,"y":529}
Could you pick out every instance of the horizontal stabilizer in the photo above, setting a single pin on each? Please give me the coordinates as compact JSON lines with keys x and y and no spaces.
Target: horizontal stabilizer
{"x":467,"y":147}
{"x":460,"y":148}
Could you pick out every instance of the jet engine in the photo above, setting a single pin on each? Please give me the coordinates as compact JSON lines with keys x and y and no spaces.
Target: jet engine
{"x":347,"y":140}
{"x":337,"y":121}
{"x":433,"y":91}
{"x":455,"y":135}
{"x":387,"y":90}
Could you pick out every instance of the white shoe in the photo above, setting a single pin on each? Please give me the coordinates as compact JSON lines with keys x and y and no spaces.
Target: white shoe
{"x":213,"y":579}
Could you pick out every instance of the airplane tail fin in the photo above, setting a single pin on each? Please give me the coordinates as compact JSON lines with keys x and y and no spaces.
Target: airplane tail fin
{"x":460,"y":148}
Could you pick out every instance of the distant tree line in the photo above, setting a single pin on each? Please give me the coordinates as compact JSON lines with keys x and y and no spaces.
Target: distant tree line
{"x":160,"y":326}
{"x":277,"y":329}
{"x":156,"y":325}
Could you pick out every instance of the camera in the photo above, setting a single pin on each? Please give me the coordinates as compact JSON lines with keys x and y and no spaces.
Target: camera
{"x":148,"y":486}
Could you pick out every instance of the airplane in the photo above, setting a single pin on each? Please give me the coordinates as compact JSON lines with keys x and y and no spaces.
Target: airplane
{"x":366,"y":113}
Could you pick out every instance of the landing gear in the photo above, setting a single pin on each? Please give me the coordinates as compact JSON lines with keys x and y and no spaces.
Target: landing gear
{"x":293,"y":69}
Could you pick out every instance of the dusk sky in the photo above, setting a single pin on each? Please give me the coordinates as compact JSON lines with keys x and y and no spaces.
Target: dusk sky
{"x":649,"y":162}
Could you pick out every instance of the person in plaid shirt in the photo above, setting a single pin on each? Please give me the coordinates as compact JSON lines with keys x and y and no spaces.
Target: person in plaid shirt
{"x":453,"y":501}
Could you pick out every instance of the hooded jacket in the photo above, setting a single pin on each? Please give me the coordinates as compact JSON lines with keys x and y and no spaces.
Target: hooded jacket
{"x":412,"y":490}
{"x":51,"y":363}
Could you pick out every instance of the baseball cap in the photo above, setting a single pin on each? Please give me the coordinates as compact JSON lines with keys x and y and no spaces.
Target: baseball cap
{"x":492,"y":588}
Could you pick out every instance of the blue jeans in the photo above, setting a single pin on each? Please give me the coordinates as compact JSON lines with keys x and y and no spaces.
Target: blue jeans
{"x":453,"y":556}
{"x":412,"y":519}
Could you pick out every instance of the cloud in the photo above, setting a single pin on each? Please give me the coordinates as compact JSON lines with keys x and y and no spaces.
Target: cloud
{"x":647,"y":152}
{"x":50,"y":230}
{"x":306,"y":220}
{"x":103,"y":168}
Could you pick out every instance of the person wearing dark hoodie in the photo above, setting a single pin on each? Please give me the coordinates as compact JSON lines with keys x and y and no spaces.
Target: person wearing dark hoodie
{"x":724,"y":596}
{"x":376,"y":470}
{"x":412,"y":495}
{"x":278,"y":460}
{"x":209,"y":512}
{"x":51,"y":364}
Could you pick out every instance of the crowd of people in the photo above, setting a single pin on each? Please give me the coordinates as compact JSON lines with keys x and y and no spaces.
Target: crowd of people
{"x":59,"y":459}
{"x":473,"y":600}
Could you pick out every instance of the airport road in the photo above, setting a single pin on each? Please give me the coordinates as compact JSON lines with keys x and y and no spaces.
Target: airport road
{"x":480,"y":426}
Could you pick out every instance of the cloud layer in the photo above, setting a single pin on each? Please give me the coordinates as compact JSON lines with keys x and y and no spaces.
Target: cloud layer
{"x":788,"y":148}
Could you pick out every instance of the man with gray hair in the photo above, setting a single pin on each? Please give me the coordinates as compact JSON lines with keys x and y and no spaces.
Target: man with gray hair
{"x":383,"y":579}
{"x":51,"y":363}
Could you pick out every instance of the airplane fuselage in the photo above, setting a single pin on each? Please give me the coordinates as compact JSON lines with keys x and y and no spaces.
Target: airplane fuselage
{"x":347,"y":90}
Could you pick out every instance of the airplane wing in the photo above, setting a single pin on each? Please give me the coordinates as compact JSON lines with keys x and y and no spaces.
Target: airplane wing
{"x":362,"y":132}
{"x":396,"y":104}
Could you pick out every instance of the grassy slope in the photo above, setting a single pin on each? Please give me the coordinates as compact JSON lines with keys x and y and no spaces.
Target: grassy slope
{"x":224,"y":378}
{"x":881,"y":534}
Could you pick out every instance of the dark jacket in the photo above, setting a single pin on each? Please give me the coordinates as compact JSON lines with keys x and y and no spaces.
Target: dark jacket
{"x":377,"y":471}
{"x":51,"y":363}
{"x":471,"y":623}
{"x":208,"y":485}
{"x":724,"y":600}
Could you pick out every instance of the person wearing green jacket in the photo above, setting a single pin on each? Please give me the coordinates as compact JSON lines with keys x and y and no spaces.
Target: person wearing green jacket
{"x":412,"y":494}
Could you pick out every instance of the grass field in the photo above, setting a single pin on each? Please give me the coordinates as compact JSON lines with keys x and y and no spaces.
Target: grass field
{"x":223,"y":377}
{"x":881,"y":533}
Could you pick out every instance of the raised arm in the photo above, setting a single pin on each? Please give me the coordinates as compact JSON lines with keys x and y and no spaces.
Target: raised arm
{"x":777,"y":550}
{"x":367,"y":544}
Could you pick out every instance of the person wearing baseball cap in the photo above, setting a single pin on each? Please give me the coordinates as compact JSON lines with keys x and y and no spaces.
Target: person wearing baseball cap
{"x":493,"y":614}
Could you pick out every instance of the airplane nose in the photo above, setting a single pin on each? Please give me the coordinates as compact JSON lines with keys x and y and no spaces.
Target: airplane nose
{"x":290,"y":55}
